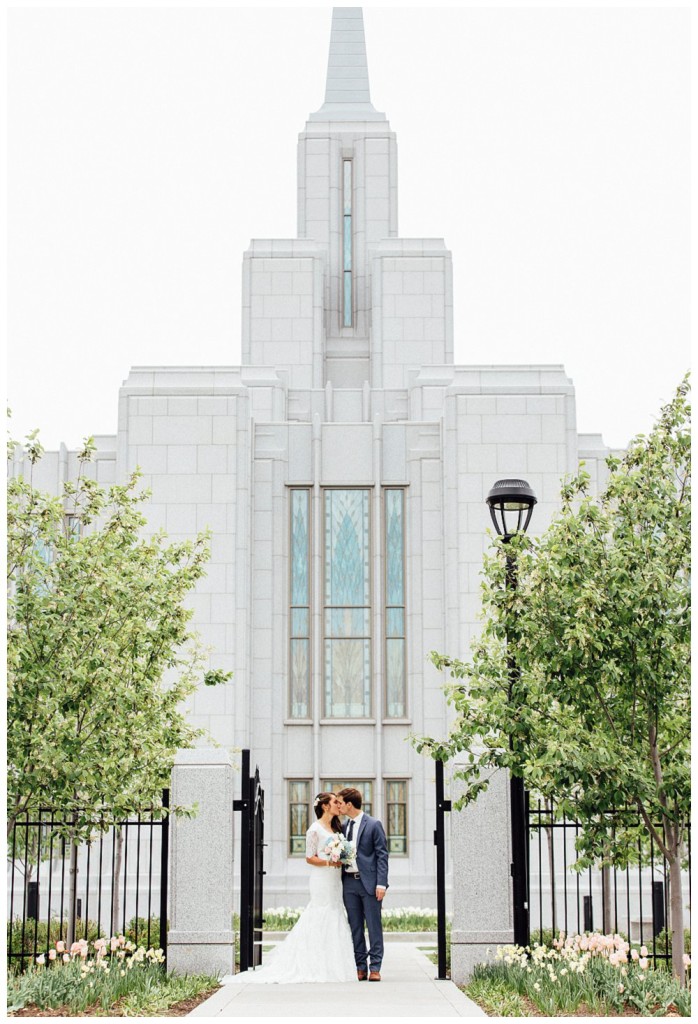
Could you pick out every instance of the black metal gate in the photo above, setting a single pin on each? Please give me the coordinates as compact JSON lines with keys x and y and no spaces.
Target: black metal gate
{"x":251,"y":806}
{"x":443,"y":806}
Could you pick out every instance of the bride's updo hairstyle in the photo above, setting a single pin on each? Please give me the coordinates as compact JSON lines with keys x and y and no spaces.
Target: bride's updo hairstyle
{"x":321,"y":802}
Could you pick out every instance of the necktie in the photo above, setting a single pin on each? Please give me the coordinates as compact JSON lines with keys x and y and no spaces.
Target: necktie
{"x":350,"y":833}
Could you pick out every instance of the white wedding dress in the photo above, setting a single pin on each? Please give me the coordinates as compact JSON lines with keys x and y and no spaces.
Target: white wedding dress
{"x":319,"y":947}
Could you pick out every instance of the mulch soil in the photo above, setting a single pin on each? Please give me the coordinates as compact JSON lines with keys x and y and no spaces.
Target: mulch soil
{"x":180,"y":1009}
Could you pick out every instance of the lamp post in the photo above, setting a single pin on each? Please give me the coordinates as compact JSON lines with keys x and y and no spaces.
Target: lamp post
{"x":511,"y":507}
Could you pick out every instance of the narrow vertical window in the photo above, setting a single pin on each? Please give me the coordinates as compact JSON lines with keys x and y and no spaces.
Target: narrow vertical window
{"x":298,"y":815}
{"x":348,"y":297}
{"x":347,"y":604}
{"x":73,"y":527}
{"x":396,"y":816}
{"x":299,"y":651}
{"x":394,"y":546}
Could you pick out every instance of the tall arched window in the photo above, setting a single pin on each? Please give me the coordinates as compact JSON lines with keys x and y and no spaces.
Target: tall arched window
{"x":299,"y":647}
{"x":347,"y":600}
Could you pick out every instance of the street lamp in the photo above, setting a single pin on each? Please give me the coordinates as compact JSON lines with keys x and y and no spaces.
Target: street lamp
{"x":511,"y":507}
{"x":516,"y":498}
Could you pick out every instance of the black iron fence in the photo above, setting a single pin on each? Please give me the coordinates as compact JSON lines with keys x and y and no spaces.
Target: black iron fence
{"x":633,"y":901}
{"x":120,"y":883}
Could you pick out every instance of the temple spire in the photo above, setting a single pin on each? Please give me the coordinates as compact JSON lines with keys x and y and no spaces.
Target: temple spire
{"x":347,"y":96}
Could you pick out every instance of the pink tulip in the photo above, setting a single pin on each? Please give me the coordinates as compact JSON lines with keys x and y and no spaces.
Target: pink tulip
{"x":60,"y":946}
{"x":644,"y":963}
{"x":52,"y":954}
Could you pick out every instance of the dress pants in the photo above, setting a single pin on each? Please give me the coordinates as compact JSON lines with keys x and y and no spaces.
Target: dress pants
{"x":363,"y":906}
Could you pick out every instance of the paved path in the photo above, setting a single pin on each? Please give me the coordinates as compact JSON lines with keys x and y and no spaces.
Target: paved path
{"x":409,"y":989}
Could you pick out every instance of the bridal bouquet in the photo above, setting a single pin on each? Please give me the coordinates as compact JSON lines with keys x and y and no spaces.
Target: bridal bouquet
{"x":340,"y":850}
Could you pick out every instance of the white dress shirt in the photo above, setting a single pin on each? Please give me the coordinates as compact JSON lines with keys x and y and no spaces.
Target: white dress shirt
{"x":354,"y":869}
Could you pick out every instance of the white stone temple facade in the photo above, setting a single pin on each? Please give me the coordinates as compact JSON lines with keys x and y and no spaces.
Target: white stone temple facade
{"x":343,"y":469}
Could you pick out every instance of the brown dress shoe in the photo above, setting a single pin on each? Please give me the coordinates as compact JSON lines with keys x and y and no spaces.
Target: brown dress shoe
{"x":362,"y":975}
{"x":374,"y":976}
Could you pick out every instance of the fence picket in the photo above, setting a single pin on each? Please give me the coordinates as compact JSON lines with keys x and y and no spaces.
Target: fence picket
{"x":99,"y":882}
{"x":617,"y":890}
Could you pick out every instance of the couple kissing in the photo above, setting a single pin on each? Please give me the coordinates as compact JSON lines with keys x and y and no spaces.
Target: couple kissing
{"x":348,"y":880}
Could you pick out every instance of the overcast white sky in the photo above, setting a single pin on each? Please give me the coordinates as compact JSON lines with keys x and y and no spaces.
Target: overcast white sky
{"x":549,"y":146}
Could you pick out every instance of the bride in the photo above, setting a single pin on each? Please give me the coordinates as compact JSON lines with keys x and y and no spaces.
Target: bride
{"x":319,"y":947}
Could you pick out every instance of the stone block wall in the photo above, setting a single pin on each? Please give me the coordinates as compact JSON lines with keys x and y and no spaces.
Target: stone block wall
{"x":282,"y":310}
{"x":412,"y":317}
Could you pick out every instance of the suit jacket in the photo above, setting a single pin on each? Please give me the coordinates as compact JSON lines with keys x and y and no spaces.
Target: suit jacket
{"x":371,"y":853}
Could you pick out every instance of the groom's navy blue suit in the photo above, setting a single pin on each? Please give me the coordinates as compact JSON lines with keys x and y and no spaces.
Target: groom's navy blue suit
{"x":360,"y":892}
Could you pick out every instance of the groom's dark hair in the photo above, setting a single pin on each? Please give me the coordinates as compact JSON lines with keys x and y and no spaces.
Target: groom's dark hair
{"x":351,"y":796}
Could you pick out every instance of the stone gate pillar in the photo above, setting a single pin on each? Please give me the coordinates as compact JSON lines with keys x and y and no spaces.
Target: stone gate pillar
{"x":482,"y":893}
{"x":201,"y":938}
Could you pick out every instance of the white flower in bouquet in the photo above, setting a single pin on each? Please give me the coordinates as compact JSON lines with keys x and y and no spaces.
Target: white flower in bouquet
{"x":339,"y":850}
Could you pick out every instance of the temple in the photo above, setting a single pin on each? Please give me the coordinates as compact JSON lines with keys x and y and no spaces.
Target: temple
{"x":343,"y":469}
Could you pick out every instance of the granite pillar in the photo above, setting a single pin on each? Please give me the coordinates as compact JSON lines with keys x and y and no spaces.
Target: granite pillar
{"x":482,"y":893}
{"x":201,"y":938}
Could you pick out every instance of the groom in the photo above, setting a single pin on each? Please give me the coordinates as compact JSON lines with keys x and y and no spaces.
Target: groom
{"x":364,"y":883}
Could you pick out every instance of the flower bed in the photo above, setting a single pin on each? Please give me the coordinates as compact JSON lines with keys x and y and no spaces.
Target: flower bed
{"x":601,"y":974}
{"x":105,"y":977}
{"x":395,"y":919}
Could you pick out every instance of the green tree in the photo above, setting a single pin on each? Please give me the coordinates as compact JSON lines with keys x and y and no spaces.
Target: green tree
{"x":100,"y":654}
{"x":599,"y":627}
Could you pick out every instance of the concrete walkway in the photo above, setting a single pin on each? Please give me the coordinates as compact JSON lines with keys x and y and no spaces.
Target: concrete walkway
{"x":408,"y":989}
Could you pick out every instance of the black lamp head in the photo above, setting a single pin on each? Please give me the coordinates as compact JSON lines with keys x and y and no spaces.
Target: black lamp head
{"x":513,"y":497}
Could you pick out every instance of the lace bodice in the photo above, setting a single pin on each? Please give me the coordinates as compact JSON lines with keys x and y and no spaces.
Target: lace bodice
{"x":315,"y":839}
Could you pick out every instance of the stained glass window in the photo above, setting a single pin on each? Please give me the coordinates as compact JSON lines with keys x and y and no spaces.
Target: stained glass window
{"x":347,"y":623}
{"x":396,"y":815}
{"x":348,"y":298}
{"x":365,"y":788}
{"x":299,"y":649}
{"x":298,"y":815}
{"x":395,"y":675}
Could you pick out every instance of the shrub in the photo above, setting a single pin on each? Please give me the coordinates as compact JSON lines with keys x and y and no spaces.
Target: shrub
{"x":662,"y":943}
{"x":40,"y":936}
{"x":137,"y":930}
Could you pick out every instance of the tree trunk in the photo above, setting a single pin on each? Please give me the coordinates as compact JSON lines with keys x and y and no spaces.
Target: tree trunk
{"x":73,"y":893}
{"x":676,"y":905}
{"x":28,"y":873}
{"x":116,"y":869}
{"x":606,"y":896}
